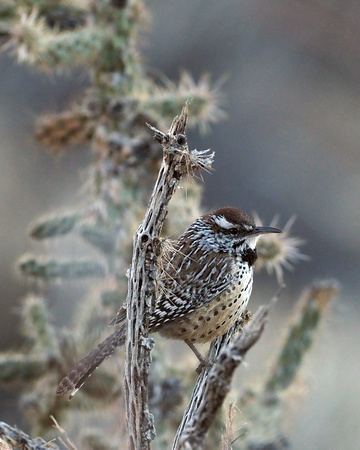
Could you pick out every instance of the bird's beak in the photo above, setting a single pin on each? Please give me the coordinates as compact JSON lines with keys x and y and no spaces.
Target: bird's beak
{"x":263,"y":230}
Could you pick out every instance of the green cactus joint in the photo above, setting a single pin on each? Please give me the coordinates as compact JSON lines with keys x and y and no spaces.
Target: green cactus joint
{"x":50,"y":227}
{"x":37,"y":326}
{"x":101,"y":240}
{"x":301,"y":335}
{"x":14,"y":367}
{"x":48,"y":269}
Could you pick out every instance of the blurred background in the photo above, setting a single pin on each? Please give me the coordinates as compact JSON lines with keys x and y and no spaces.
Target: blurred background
{"x":289,"y":145}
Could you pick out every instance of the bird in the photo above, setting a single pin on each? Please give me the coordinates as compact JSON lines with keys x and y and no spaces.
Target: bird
{"x":203,"y":284}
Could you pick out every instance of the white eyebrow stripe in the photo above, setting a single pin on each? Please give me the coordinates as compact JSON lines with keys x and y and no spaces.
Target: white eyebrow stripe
{"x":223,"y":223}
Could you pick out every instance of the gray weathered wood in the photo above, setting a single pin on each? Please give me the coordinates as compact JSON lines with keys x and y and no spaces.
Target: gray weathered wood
{"x":177,"y":161}
{"x":214,"y":383}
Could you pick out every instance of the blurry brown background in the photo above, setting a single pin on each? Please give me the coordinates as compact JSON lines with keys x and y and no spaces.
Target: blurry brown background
{"x":290,"y":145}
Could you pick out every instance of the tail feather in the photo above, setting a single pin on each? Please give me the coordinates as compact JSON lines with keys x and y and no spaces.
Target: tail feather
{"x":86,"y":366}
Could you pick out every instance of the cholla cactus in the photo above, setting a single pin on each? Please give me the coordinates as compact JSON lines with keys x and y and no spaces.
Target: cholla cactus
{"x":109,"y":118}
{"x":277,"y":253}
{"x":263,"y":406}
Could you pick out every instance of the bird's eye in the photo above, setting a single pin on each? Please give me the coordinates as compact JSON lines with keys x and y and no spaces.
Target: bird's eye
{"x":233,"y":230}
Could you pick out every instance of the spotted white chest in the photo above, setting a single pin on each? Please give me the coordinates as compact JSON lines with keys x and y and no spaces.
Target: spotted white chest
{"x":217,"y":316}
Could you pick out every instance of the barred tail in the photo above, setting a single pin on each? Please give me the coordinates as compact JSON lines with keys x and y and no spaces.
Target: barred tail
{"x":86,"y":366}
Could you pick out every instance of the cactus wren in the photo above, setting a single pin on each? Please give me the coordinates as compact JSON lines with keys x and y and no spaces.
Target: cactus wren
{"x":204,"y":283}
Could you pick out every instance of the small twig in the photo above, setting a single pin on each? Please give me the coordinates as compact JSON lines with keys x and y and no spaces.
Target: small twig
{"x":66,"y":442}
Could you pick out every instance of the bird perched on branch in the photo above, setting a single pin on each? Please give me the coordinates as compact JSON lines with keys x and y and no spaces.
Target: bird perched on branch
{"x":204,"y":282}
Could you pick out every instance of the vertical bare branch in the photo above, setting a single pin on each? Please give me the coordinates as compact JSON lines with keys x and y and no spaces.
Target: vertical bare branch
{"x":177,"y":161}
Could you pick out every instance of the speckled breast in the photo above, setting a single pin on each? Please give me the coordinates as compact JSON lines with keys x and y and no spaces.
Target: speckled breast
{"x":215,"y":317}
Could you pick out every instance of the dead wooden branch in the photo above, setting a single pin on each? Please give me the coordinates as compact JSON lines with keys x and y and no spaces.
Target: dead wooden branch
{"x":177,"y":162}
{"x":15,"y":438}
{"x":214,"y":383}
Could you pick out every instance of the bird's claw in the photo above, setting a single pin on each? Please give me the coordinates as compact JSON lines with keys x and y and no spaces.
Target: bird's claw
{"x":205,"y":363}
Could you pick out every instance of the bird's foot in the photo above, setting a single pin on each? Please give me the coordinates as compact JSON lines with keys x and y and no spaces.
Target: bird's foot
{"x":205,"y":363}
